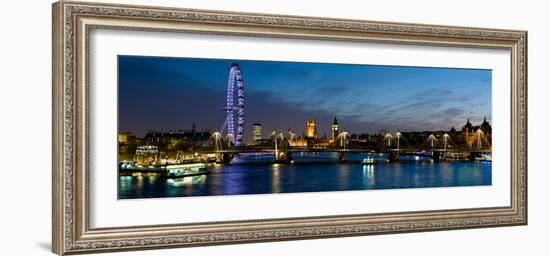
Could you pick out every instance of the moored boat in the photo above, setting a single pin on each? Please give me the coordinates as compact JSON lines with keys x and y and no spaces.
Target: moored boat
{"x":185,"y":170}
{"x":367,"y":161}
{"x":484,"y":158}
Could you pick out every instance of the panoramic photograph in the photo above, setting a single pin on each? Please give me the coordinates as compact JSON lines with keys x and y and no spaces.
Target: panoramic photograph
{"x":214,"y":127}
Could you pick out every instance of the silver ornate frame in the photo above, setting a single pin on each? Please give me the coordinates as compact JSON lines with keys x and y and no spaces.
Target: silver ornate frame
{"x":72,"y":22}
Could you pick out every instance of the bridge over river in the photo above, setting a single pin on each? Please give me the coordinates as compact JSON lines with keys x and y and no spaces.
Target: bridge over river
{"x":283,"y":153}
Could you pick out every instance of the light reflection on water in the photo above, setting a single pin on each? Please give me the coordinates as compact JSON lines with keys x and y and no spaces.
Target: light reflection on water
{"x":256,"y":174}
{"x":368,"y":175}
{"x":275,"y":179}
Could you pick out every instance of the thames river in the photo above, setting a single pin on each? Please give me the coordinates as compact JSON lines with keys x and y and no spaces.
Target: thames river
{"x":309,"y":172}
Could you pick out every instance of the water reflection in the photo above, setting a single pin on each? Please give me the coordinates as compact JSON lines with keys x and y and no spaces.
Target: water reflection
{"x":309,"y":173}
{"x":343,"y":176}
{"x":275,"y":179}
{"x":368,"y":174}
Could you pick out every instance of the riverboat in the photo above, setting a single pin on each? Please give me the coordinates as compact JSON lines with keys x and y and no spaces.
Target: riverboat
{"x":185,"y":170}
{"x":485,"y":158}
{"x":165,"y":171}
{"x":368,"y":161}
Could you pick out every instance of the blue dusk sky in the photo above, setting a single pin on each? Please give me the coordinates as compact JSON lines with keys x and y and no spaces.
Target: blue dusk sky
{"x":158,"y":93}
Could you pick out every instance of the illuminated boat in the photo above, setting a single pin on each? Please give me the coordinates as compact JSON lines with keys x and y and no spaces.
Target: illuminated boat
{"x":367,"y":161}
{"x":185,"y":170}
{"x":485,"y":158}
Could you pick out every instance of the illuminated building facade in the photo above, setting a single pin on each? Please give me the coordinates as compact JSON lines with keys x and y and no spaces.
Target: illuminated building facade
{"x":126,"y":137}
{"x":486,"y":127}
{"x":127,"y":143}
{"x":311,"y":129}
{"x":335,"y":130}
{"x":476,"y":134}
{"x":468,"y":132}
{"x":186,"y":137}
{"x":256,"y":133}
{"x":147,"y":154}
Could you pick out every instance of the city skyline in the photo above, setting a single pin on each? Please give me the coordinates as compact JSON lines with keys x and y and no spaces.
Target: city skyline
{"x":174,"y":93}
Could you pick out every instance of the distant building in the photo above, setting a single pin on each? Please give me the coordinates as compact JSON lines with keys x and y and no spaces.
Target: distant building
{"x":186,"y":137}
{"x":311,"y":129}
{"x":299,"y":142}
{"x":334,"y":130}
{"x":147,"y":154}
{"x":126,"y":138}
{"x":256,"y":133}
{"x":127,"y":143}
{"x":296,"y":141}
{"x":468,"y":132}
{"x":159,"y":147}
{"x":486,"y":127}
{"x":480,"y":133}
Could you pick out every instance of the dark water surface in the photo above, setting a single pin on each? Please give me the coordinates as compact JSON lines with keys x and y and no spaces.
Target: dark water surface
{"x":309,"y":173}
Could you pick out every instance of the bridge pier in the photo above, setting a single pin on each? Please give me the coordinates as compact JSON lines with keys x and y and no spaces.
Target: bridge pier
{"x":284,"y":158}
{"x":282,"y":155}
{"x":393,"y":156}
{"x":436,"y":156}
{"x":342,"y":158}
{"x":226,"y":158}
